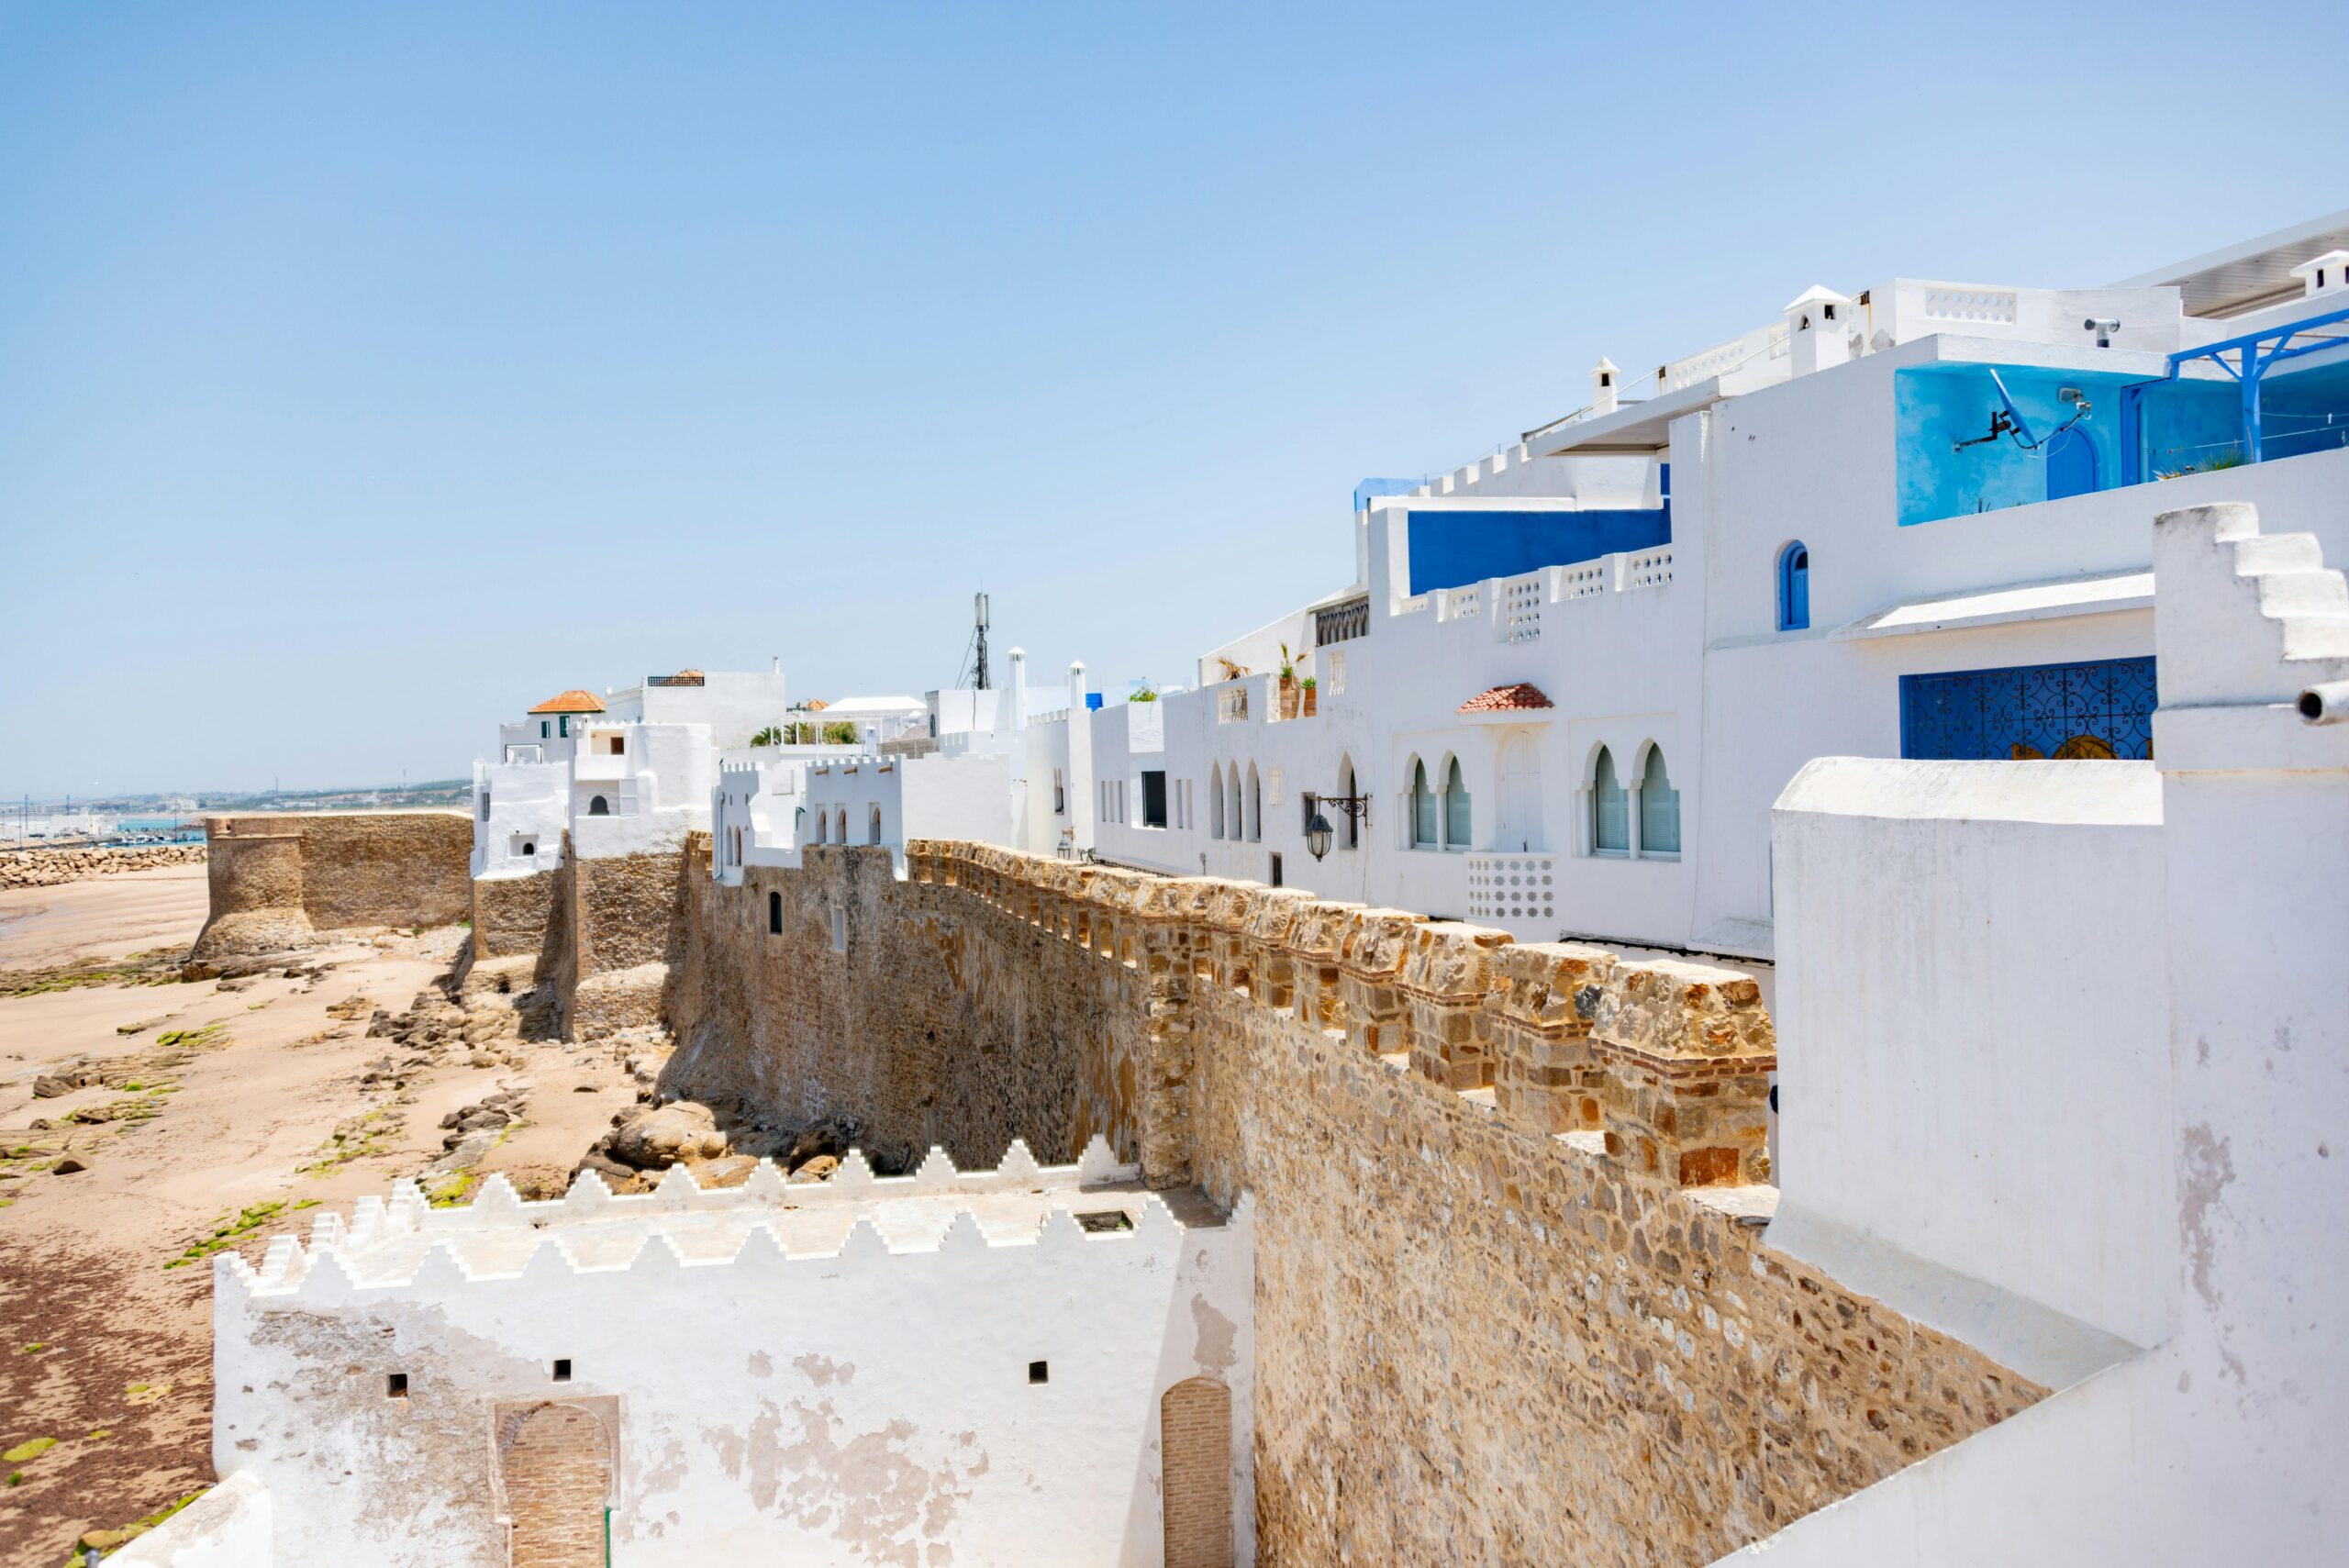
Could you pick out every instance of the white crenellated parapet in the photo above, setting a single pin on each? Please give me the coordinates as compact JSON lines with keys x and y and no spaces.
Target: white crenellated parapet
{"x":403,"y":1244}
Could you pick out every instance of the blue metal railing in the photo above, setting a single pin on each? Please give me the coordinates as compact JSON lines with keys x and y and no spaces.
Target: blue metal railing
{"x":2254,"y":354}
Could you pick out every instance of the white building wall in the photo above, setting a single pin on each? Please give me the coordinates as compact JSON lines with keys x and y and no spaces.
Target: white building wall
{"x":519,"y":811}
{"x":2220,"y":1440}
{"x":655,"y":791}
{"x":1946,"y":1032}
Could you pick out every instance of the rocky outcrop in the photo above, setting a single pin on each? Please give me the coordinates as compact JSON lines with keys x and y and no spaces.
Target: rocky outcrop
{"x":50,"y":867}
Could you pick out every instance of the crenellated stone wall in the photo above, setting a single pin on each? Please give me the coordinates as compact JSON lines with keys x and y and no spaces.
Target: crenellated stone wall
{"x":1513,"y":1303}
{"x":278,"y":879}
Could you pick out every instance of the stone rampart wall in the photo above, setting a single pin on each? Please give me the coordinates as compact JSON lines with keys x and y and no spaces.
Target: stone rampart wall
{"x":618,"y":924}
{"x":1508,"y":1309}
{"x":512,"y":915}
{"x":938,"y":1019}
{"x":278,"y":879}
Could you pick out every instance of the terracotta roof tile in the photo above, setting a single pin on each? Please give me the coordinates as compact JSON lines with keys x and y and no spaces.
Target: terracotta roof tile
{"x":1501,"y":699}
{"x":571,"y":702}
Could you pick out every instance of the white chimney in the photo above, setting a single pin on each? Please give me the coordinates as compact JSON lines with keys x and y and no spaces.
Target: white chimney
{"x":2328,"y":274}
{"x":1604,"y":389}
{"x":1819,"y":330}
{"x":1019,"y":688}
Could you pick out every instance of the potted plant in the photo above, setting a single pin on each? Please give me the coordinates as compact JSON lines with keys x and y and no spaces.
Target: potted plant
{"x":1289,"y":684}
{"x":1307,"y":686}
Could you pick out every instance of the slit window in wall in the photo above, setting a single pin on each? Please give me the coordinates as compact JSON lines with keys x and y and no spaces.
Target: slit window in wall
{"x":562,"y":1368}
{"x":1059,"y":795}
{"x":1039,"y":1372}
{"x":396,"y":1385}
{"x":840,"y":931}
{"x":1276,"y":869}
{"x":1794,"y":586}
{"x":873,"y":829}
{"x":1153,"y":798}
{"x":775,"y":914}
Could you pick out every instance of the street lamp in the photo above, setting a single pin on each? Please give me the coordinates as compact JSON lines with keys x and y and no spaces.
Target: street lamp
{"x":1317,"y":826}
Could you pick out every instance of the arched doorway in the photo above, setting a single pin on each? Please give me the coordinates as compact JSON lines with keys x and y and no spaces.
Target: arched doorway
{"x":1519,"y":827}
{"x":2071,"y":465}
{"x":555,"y":1461}
{"x":1195,"y":1465}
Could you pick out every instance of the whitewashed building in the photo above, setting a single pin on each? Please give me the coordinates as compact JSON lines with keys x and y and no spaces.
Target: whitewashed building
{"x":1564,"y":684}
{"x":422,"y":1386}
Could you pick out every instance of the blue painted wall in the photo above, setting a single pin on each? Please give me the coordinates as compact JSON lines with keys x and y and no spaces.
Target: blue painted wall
{"x":1935,"y":407}
{"x":1450,"y":550}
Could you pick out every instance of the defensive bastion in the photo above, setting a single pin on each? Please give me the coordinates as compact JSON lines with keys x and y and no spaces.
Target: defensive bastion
{"x":280,"y":878}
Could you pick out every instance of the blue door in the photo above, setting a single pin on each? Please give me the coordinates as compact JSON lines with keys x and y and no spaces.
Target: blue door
{"x":2071,"y":465}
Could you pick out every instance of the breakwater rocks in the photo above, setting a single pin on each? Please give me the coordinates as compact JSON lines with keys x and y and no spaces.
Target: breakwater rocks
{"x":49,"y":867}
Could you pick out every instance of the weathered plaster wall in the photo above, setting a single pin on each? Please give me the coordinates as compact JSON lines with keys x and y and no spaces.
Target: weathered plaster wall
{"x":942,"y":1369}
{"x":278,"y":879}
{"x":1507,"y":1313}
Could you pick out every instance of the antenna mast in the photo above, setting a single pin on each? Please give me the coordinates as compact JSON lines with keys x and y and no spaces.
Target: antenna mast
{"x":979,"y":605}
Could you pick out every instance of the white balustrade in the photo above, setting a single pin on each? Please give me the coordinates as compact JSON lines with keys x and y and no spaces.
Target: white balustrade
{"x":2000,"y":305}
{"x":1517,"y":607}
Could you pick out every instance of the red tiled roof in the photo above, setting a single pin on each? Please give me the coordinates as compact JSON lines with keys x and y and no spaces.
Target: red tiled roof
{"x":571,"y":702}
{"x":1501,"y":699}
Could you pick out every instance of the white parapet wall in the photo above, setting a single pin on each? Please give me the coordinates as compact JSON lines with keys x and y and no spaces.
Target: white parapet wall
{"x":841,"y":1373}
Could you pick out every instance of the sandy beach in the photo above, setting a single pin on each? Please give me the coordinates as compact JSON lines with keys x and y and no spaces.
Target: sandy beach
{"x":219,"y":1109}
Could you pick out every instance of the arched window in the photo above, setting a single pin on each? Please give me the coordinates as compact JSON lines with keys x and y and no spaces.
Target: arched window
{"x":1659,"y":809}
{"x":1794,"y":586}
{"x":1255,"y":806}
{"x":1456,"y":826}
{"x":1059,"y":795}
{"x":823,"y":820}
{"x":840,"y":822}
{"x":1610,"y":809}
{"x":873,"y":829}
{"x":1238,"y":826}
{"x":1423,"y":833}
{"x":775,"y":914}
{"x":1215,"y":802}
{"x":599,"y":807}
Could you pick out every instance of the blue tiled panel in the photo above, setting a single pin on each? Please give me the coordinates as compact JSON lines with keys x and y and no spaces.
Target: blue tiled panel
{"x":2030,"y":710}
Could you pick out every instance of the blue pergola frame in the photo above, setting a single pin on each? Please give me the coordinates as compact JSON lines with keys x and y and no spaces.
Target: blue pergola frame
{"x":2254,"y":356}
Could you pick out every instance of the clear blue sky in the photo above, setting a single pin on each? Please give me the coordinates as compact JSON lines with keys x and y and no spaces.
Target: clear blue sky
{"x":368,"y":373}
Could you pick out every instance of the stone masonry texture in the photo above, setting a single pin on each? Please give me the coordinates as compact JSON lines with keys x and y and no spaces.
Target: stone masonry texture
{"x":1494,"y":1322}
{"x":278,"y":879}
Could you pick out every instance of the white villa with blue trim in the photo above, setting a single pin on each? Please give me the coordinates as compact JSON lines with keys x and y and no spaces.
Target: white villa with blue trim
{"x":1911,"y":522}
